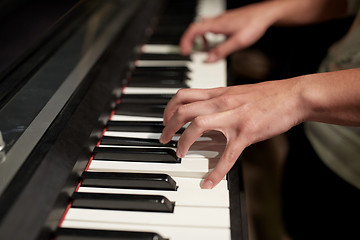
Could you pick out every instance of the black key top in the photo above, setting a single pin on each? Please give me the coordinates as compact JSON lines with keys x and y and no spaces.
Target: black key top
{"x":144,"y":75}
{"x":168,"y":57}
{"x":127,"y":141}
{"x":167,"y":83}
{"x":176,"y":19}
{"x":164,"y":39}
{"x":162,"y":155}
{"x":161,"y":99}
{"x":159,"y":77}
{"x":137,"y":126}
{"x":145,"y":110}
{"x":90,"y":234}
{"x":149,"y":181}
{"x":162,"y":69}
{"x":131,"y":202}
{"x":168,"y":30}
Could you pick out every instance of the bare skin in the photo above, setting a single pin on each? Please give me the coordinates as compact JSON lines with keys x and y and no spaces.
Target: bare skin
{"x":251,"y":113}
{"x":244,"y":26}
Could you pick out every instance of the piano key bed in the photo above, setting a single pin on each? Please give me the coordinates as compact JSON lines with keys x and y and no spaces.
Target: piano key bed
{"x":183,"y":212}
{"x":133,"y":184}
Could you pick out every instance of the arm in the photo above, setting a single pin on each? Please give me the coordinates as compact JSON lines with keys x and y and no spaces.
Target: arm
{"x":244,"y":26}
{"x":251,"y":113}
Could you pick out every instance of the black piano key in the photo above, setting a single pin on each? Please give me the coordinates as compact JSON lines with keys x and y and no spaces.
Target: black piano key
{"x":161,"y":69}
{"x":175,"y":20}
{"x":125,"y":141}
{"x":162,"y":155}
{"x":149,"y":181}
{"x":164,"y":39}
{"x":167,"y":57}
{"x":171,"y":30}
{"x":131,"y":202}
{"x":145,"y":110}
{"x":137,"y":126}
{"x":157,"y":75}
{"x":170,"y":83}
{"x":92,"y":234}
{"x":161,"y":99}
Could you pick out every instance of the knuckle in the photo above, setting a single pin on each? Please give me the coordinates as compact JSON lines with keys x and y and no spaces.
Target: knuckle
{"x":200,"y":122}
{"x":224,"y":101}
{"x":180,"y":94}
{"x":182,"y":110}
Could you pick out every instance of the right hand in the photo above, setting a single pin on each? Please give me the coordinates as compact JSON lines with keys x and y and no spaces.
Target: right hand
{"x":243,"y":26}
{"x":245,"y":114}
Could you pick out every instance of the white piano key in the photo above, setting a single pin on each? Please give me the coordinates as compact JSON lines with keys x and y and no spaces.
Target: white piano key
{"x":147,"y":135}
{"x":181,"y":197}
{"x":194,"y":168}
{"x":160,"y":48}
{"x":170,"y":232}
{"x":134,"y":118}
{"x":195,"y":183}
{"x":182,"y":216}
{"x":206,"y":8}
{"x":148,"y":90}
{"x":161,"y":63}
{"x":206,"y":75}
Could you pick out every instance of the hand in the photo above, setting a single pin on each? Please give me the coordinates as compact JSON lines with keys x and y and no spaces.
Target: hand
{"x":244,"y":114}
{"x":243,"y":26}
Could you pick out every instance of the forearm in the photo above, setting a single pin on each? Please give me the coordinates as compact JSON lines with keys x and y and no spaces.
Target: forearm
{"x":302,"y":12}
{"x":331,"y":97}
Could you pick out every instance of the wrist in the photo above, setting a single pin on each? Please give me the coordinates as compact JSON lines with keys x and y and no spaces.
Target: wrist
{"x":273,"y":11}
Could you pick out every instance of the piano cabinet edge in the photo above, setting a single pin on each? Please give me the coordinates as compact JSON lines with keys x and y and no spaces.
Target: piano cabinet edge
{"x":118,"y":55}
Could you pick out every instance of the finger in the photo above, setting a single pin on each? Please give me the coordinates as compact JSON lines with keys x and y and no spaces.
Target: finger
{"x":195,"y":130}
{"x":194,"y":30}
{"x":185,"y":96}
{"x":205,"y":44}
{"x":224,"y":49}
{"x":179,"y":119}
{"x":231,"y":154}
{"x":186,"y":113}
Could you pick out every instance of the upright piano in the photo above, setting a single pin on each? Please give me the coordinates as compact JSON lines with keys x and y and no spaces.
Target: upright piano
{"x":83,"y":85}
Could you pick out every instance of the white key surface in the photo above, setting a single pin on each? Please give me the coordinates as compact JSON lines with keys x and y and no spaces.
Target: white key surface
{"x":181,"y":197}
{"x":195,"y":168}
{"x":182,"y":216}
{"x":170,"y":232}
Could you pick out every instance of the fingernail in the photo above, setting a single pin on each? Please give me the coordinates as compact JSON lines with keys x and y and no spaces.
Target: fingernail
{"x":161,"y":140}
{"x":179,"y":154}
{"x":207,"y":184}
{"x":211,"y":57}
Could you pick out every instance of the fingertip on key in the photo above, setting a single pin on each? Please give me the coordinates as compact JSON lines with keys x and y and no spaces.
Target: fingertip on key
{"x":161,"y":140}
{"x":207,"y":184}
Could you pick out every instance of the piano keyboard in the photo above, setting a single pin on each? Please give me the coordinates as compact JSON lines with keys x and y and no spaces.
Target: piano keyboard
{"x":136,"y":188}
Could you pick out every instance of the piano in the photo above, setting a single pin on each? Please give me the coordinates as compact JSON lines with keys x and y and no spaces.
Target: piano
{"x":80,"y":117}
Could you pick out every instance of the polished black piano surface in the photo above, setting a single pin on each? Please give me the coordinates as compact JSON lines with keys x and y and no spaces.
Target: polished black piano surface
{"x":63,"y":68}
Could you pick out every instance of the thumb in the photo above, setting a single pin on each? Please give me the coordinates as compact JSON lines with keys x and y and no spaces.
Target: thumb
{"x":224,"y":49}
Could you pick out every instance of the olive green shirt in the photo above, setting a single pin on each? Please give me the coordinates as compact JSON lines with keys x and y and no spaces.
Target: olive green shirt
{"x":339,"y":146}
